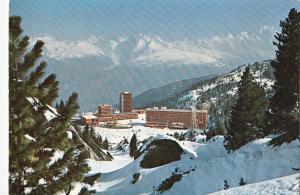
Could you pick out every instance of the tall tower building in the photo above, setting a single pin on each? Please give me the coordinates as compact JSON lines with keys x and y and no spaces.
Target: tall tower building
{"x":125,"y":101}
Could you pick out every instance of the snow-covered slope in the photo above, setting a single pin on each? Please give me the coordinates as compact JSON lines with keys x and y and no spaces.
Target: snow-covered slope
{"x":217,"y":94}
{"x":219,"y":88}
{"x":166,"y":91}
{"x":204,"y":167}
{"x":288,"y":185}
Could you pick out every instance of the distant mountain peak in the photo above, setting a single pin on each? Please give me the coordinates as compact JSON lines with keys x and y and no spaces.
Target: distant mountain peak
{"x":151,"y":50}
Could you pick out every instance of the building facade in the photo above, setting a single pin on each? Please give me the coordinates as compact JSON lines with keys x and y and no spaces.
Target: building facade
{"x":89,"y":120}
{"x":105,"y":113}
{"x":125,"y":102}
{"x":177,"y":118}
{"x":125,"y":116}
{"x":104,"y":110}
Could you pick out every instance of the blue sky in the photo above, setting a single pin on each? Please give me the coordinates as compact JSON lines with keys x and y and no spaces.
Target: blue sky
{"x":95,"y":41}
{"x":170,"y":19}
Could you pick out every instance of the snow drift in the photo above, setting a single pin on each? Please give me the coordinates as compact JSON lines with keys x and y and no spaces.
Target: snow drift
{"x":204,"y":167}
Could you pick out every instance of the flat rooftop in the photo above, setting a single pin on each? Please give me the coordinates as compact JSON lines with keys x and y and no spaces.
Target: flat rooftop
{"x":173,"y":110}
{"x":105,"y":105}
{"x":88,"y":116}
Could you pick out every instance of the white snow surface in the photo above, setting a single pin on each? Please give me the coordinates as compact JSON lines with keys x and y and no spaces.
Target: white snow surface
{"x":115,"y":136}
{"x":29,"y":137}
{"x":34,"y":102}
{"x":50,"y":113}
{"x":120,"y":161}
{"x":58,"y":154}
{"x":288,"y":185}
{"x":209,"y":164}
{"x":69,"y":134}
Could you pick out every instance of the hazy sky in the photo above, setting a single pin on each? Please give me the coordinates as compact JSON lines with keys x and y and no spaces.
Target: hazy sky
{"x":95,"y":41}
{"x":170,"y":19}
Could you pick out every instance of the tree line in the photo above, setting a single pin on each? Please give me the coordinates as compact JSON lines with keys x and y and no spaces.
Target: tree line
{"x":253,"y":116}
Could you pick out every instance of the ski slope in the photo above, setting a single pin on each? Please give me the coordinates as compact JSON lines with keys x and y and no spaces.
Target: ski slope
{"x":204,"y":167}
{"x":288,"y":185}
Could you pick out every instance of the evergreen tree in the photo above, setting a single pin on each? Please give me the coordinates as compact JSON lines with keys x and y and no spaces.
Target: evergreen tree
{"x":176,"y":135}
{"x":34,"y":137}
{"x":247,"y":115}
{"x":99,"y":140}
{"x":105,"y":144}
{"x":283,"y":115}
{"x":86,"y":133}
{"x":242,"y":182}
{"x":220,"y":128}
{"x":181,"y":137}
{"x":133,"y":145}
{"x":226,"y":186}
{"x":92,"y":133}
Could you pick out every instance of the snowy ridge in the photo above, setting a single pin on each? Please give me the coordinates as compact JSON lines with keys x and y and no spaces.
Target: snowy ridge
{"x":288,"y":185}
{"x":149,"y":50}
{"x":233,"y":77}
{"x":203,"y":167}
{"x":223,"y":85}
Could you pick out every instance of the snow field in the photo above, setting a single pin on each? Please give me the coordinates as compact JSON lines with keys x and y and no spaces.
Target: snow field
{"x":255,"y":162}
{"x":288,"y":185}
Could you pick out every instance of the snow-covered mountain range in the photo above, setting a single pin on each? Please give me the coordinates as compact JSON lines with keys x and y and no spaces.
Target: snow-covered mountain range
{"x":98,"y":68}
{"x":151,"y":50}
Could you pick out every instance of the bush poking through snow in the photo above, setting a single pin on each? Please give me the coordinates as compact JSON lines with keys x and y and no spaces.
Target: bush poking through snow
{"x":242,"y":182}
{"x":226,"y":186}
{"x":135,"y":177}
{"x":161,"y":152}
{"x":85,"y":191}
{"x":168,"y":183}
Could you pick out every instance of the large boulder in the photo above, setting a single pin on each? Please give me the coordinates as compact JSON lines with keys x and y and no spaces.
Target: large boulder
{"x":160,"y":152}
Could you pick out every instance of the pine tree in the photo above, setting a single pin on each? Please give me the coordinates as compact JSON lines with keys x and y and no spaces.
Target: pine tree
{"x":247,"y":115}
{"x":86,"y":133}
{"x":176,"y":135}
{"x":220,"y":128}
{"x":283,"y":115}
{"x":242,"y":182}
{"x":133,"y":145}
{"x":99,"y":140}
{"x":105,"y":144}
{"x":92,"y":133}
{"x":226,"y":186}
{"x":34,"y":138}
